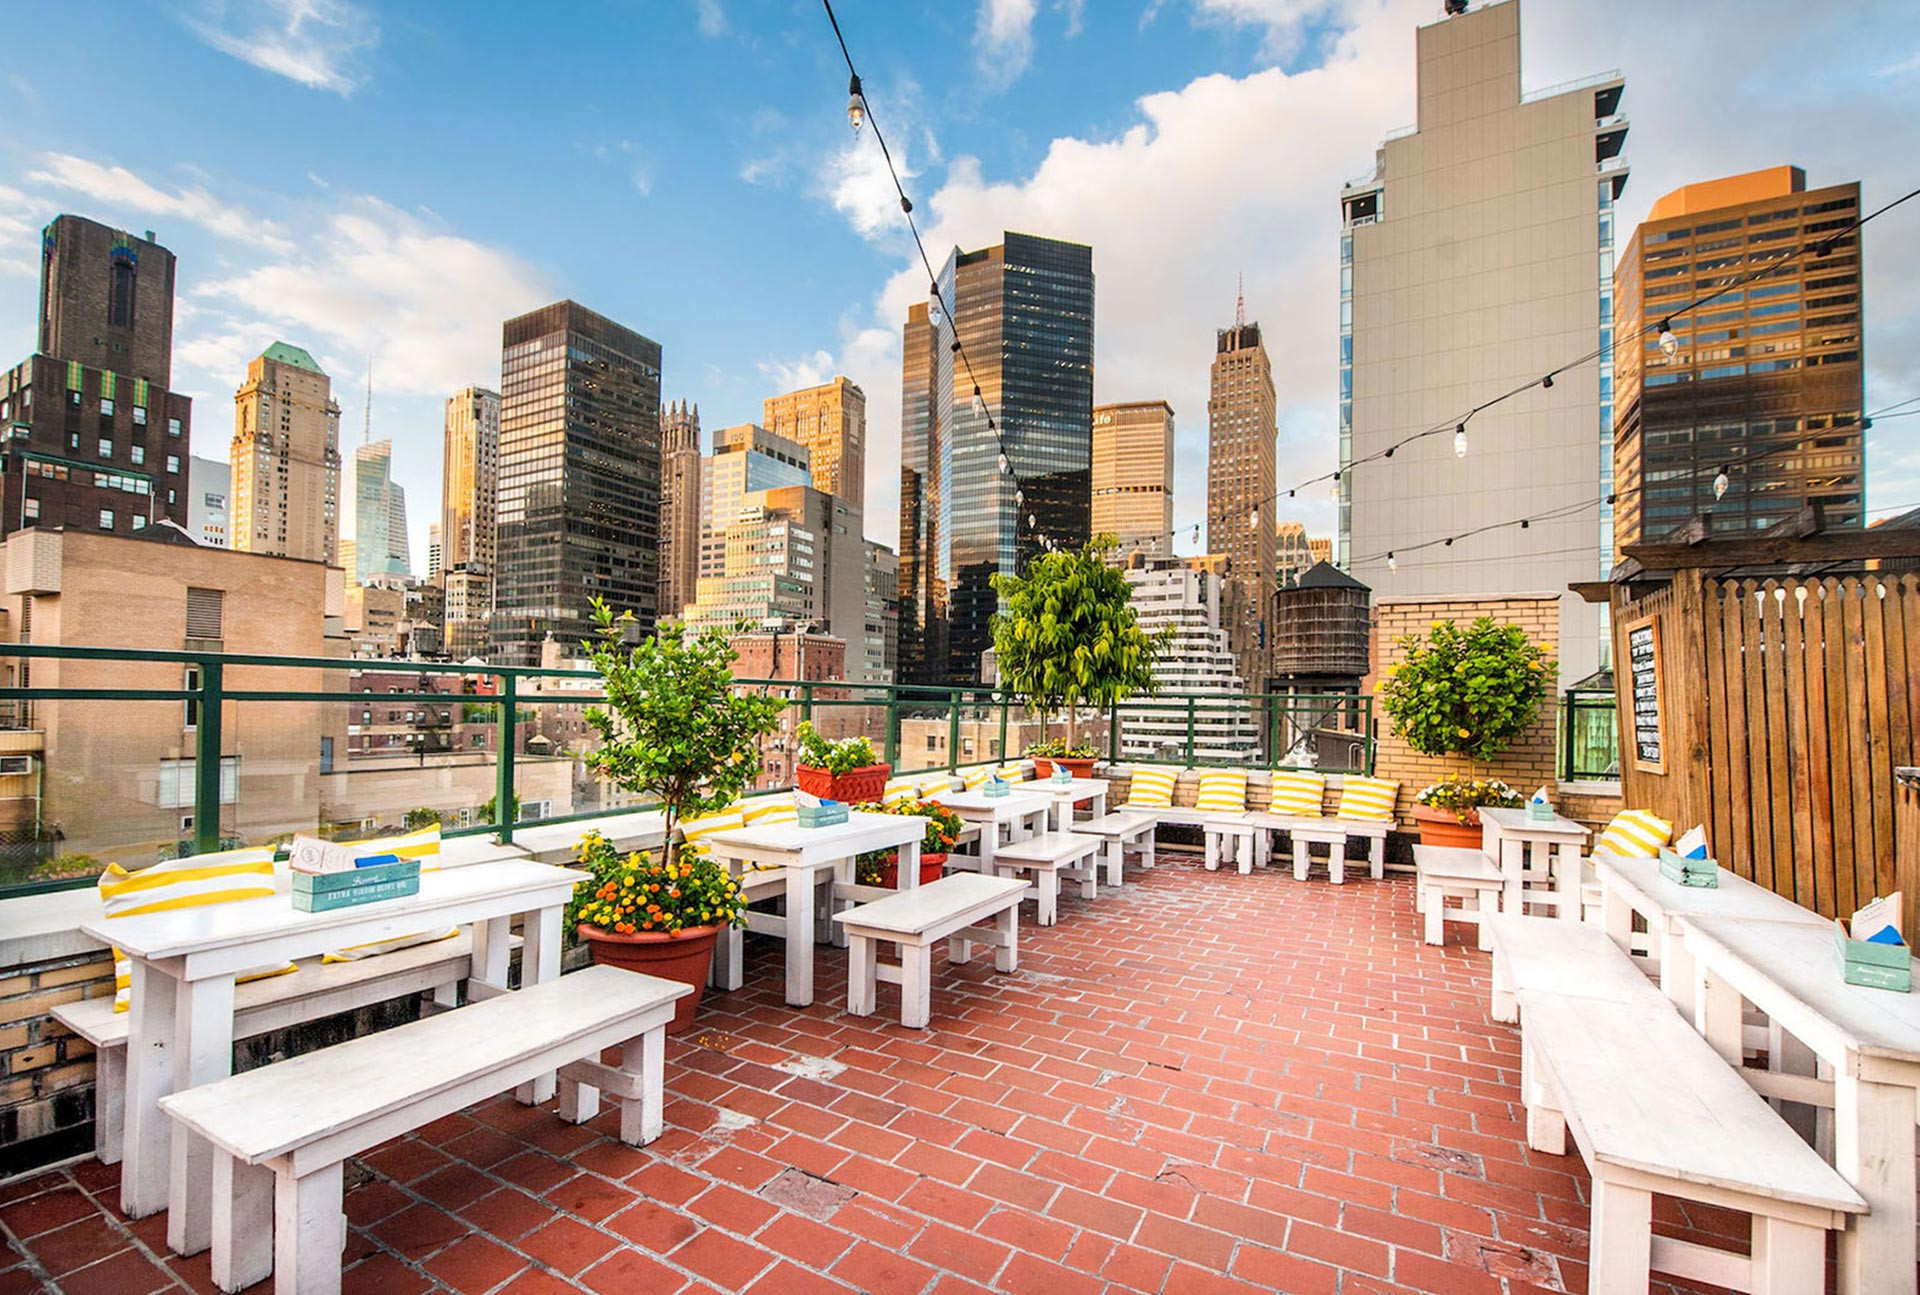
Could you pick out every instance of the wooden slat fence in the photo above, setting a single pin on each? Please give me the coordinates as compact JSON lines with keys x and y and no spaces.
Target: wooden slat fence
{"x":1787,"y":705}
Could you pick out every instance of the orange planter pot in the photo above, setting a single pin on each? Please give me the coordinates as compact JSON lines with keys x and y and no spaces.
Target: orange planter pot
{"x":932,"y":868}
{"x":1440,"y":827}
{"x":684,"y":957}
{"x":863,"y":786}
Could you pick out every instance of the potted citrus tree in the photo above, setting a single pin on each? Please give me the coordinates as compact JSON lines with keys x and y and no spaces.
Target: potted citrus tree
{"x":1466,"y":692}
{"x":882,"y":867}
{"x":673,"y":728}
{"x":1066,"y":636}
{"x":846,"y":770}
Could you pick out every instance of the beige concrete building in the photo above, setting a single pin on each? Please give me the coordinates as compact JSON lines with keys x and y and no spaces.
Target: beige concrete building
{"x":831,"y":421}
{"x":680,"y":464}
{"x":1133,"y":474}
{"x":1292,"y":552}
{"x":286,"y":459}
{"x":470,"y":479}
{"x":793,"y":553}
{"x":1477,"y":258}
{"x":1241,"y":428}
{"x":375,"y":615}
{"x":746,"y":458}
{"x":118,"y":780}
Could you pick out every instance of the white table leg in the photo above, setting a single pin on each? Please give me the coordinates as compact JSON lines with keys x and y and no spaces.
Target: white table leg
{"x":1212,"y":840}
{"x":1565,"y":862}
{"x":1377,"y":858}
{"x":1436,"y":917}
{"x":1047,"y":882}
{"x":1098,"y":808}
{"x":989,"y":841}
{"x":1302,"y":859}
{"x":1621,"y":1238}
{"x":1873,"y":1149}
{"x":308,"y":1230}
{"x":909,"y":869}
{"x":242,"y":1222}
{"x":203,"y":1022}
{"x":109,"y":1104}
{"x":1513,"y":868}
{"x":146,"y":1146}
{"x":1006,"y":954}
{"x":1485,"y":904}
{"x":1717,"y":1014}
{"x":1090,"y":876}
{"x":1788,"y":1258}
{"x":1787,"y":1055}
{"x":1676,"y":970}
{"x":1116,"y":860}
{"x":492,"y":941}
{"x":837,"y":878}
{"x":1616,"y":918}
{"x":862,"y":984}
{"x":1243,"y":847}
{"x":539,"y":963}
{"x":728,"y":969}
{"x":1337,"y":861}
{"x":799,"y":924}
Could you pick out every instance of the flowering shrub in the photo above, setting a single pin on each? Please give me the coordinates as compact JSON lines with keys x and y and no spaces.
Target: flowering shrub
{"x":835,"y":757}
{"x":1466,"y":690}
{"x":943,"y":830}
{"x":1463,"y":796}
{"x":632,"y":893}
{"x":1058,"y":748}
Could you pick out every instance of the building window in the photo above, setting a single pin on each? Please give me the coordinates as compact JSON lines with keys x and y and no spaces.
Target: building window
{"x":106,"y":519}
{"x":138,"y":451}
{"x":139,"y":415}
{"x":175,"y":789}
{"x":173,"y":427}
{"x":106,"y":447}
{"x":192,"y":684}
{"x":206,"y":610}
{"x":120,"y":299}
{"x":106,"y":407}
{"x":173,"y":462}
{"x":139,"y":522}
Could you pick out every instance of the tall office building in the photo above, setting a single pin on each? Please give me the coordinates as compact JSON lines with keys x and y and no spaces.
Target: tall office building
{"x":831,"y":421}
{"x":286,"y":458}
{"x":680,"y":463}
{"x":1132,"y":475}
{"x":922,"y":597}
{"x":1023,"y":311}
{"x":92,"y":432}
{"x":790,"y":553}
{"x":1241,"y":426}
{"x":1478,"y":258}
{"x":1765,"y":383}
{"x":1190,"y":597}
{"x":209,"y":488}
{"x":746,"y":458}
{"x":436,"y":551}
{"x":1292,"y":553}
{"x":379,"y":516}
{"x":470,"y":479}
{"x":579,"y":511}
{"x":880,"y":647}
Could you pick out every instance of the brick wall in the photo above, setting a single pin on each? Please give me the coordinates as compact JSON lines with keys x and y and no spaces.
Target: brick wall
{"x":46,"y":1073}
{"x":1525,"y":765}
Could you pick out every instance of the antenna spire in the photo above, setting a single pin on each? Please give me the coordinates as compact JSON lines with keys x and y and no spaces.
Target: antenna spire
{"x":1240,"y":303}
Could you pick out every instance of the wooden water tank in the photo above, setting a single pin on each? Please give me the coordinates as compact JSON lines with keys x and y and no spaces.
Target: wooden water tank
{"x":1320,"y":625}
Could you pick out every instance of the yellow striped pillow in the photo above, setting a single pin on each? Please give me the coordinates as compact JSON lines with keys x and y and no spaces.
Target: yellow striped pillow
{"x":1635,"y":834}
{"x":939,"y":783}
{"x":193,"y":882}
{"x":355,"y":952}
{"x":1367,"y":800}
{"x":1152,"y":786}
{"x":769,"y":811}
{"x":900,"y":791}
{"x":975,"y":779}
{"x":1015,"y":772}
{"x":697,"y":830}
{"x":1297,"y":794}
{"x":1223,"y":790}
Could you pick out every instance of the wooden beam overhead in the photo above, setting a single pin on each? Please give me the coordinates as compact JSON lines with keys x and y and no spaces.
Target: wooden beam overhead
{"x":1770,"y":549}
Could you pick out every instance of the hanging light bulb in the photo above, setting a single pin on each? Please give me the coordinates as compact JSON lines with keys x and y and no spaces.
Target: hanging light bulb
{"x":1393,"y":563}
{"x":1460,"y":441}
{"x":1669,"y":344}
{"x":1003,"y":461}
{"x":1547,"y":382}
{"x":979,"y":402}
{"x":1019,"y":498}
{"x":1032,"y":522}
{"x":1720,"y":483}
{"x":856,"y":105}
{"x":1253,"y":519}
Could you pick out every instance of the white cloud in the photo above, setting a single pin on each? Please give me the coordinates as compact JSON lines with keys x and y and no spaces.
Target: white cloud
{"x":120,"y":188}
{"x":713,"y":18}
{"x":854,"y":176}
{"x":313,"y":42}
{"x":1003,"y":39}
{"x":1076,"y":12}
{"x":808,"y":370}
{"x":24,"y":88}
{"x":1283,"y":20}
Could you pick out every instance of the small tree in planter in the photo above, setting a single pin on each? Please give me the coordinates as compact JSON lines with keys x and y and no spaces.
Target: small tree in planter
{"x":1465,"y":691}
{"x":846,"y":770}
{"x":1066,"y":635}
{"x":673,"y":727}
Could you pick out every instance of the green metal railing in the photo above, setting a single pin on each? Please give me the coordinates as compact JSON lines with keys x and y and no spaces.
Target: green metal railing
{"x":1333,"y":732}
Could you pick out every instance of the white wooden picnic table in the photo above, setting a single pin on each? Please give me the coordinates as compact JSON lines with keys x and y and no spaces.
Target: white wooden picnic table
{"x":1070,"y":793}
{"x":184,"y":962}
{"x":1629,"y":886}
{"x":801,"y":855}
{"x":1531,"y":849}
{"x":1868,"y":1038}
{"x":1021,"y":812}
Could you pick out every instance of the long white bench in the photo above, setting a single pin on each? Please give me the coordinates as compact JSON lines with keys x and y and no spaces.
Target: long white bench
{"x":1047,"y":858}
{"x":1331,"y":832}
{"x":1655,"y":1110}
{"x":1123,"y":830}
{"x":313,"y":991}
{"x":1442,"y":873}
{"x":1546,"y":955}
{"x":296,"y":1122}
{"x":913,"y":920}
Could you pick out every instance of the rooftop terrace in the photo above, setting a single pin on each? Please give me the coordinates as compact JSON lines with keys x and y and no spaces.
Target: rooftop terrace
{"x":1204,"y":1082}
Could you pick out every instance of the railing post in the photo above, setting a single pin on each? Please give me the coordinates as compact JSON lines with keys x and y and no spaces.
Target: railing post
{"x":1113,"y":735}
{"x":806,"y":702}
{"x":503,"y":815}
{"x":953,"y":728}
{"x":1005,"y":755}
{"x":1192,"y":702}
{"x":893,"y":725}
{"x":206,"y":759}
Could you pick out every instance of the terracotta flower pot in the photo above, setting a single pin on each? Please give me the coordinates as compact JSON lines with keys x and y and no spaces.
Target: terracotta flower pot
{"x":1042,"y":768}
{"x":1078,"y":766}
{"x":1440,"y":827}
{"x":685,"y":957}
{"x":866,"y":785}
{"x":932,"y":868}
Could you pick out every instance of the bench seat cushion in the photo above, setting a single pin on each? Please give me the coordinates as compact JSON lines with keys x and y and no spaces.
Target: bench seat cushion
{"x":1152,"y":787}
{"x":1223,"y":791}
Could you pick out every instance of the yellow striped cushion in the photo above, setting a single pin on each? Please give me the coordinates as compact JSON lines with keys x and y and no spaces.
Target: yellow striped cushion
{"x":900,"y":791}
{"x":1635,"y":834}
{"x":1299,"y":795}
{"x":1015,"y":772}
{"x":938,"y":783}
{"x":767,"y":811}
{"x":1223,"y":790}
{"x":193,"y":882}
{"x":975,"y":779}
{"x":1368,"y":800}
{"x":1152,"y":786}
{"x":355,"y":952}
{"x":697,"y":830}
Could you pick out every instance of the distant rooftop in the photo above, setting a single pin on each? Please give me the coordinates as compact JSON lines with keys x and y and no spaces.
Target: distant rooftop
{"x":283,"y":353}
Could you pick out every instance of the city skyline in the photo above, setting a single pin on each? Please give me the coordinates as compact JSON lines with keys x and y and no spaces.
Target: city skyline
{"x":778,"y":157}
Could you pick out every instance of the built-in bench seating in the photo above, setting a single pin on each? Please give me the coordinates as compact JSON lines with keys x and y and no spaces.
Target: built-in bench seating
{"x":1125,"y":831}
{"x":952,"y":909}
{"x":294,"y":1124}
{"x":1046,"y":859}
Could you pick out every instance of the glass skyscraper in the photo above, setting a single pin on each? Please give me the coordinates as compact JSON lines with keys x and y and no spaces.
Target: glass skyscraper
{"x":1023,"y":313}
{"x":579,"y":504}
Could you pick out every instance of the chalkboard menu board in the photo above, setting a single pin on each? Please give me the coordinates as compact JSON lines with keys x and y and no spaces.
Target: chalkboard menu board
{"x":1643,"y":668}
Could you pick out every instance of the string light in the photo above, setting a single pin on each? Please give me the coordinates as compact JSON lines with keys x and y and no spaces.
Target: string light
{"x":1669,"y":344}
{"x":856,"y":104}
{"x":1253,"y":519}
{"x":1720,"y":483}
{"x":1393,"y":563}
{"x":1004,"y":466}
{"x":1460,"y":441}
{"x":1546,"y":383}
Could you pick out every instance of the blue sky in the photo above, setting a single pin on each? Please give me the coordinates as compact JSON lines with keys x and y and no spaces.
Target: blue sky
{"x":391,"y":181}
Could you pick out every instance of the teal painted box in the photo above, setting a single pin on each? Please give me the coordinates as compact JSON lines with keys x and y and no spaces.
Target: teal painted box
{"x":828,"y":813}
{"x":995,"y":790}
{"x":1541,"y":812}
{"x":1876,"y":966}
{"x":322,"y":892}
{"x":1682,"y":871}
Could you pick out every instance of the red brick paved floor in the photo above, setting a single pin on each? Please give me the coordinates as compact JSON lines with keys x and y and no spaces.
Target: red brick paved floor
{"x":1205,"y":1083}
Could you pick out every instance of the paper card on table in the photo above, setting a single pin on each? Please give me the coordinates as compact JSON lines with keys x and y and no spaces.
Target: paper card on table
{"x":1540,"y":796}
{"x":801,"y":798}
{"x":1692,"y":843}
{"x":311,"y":854}
{"x":1882,"y":916}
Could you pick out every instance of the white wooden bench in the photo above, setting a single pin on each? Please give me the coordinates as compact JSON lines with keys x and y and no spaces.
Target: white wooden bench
{"x":1549,"y":956}
{"x":296,"y":1122}
{"x":1654,"y":1110}
{"x":313,"y":991}
{"x":1123,"y":830}
{"x":913,"y":920}
{"x":1442,"y":873}
{"x":1331,"y":832}
{"x":1047,"y":858}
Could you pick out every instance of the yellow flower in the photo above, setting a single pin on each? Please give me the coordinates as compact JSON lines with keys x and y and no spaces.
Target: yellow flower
{"x":1464,"y":733}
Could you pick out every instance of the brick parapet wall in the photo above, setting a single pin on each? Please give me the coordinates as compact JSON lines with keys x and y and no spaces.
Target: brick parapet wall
{"x":46,"y":1073}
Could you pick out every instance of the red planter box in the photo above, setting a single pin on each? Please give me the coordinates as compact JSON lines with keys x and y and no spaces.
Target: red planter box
{"x":863,"y":786}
